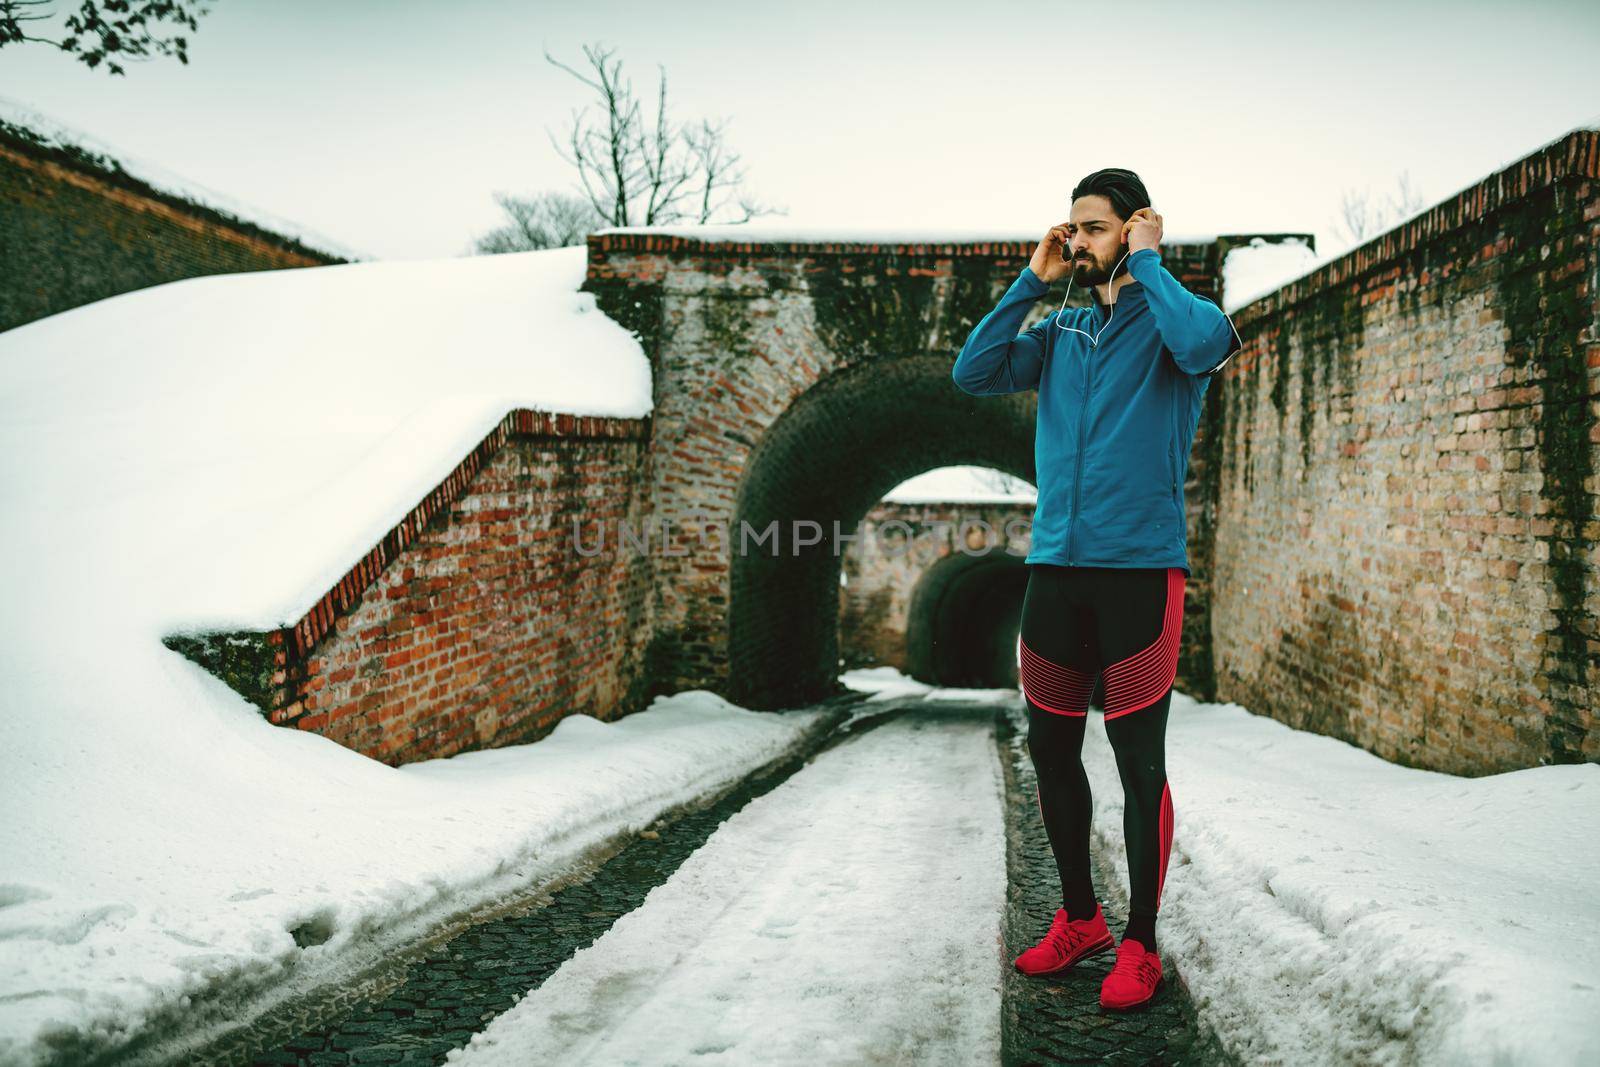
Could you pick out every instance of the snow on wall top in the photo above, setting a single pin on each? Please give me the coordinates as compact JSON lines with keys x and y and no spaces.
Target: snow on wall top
{"x":790,"y":233}
{"x":1249,"y":271}
{"x":961,"y":485}
{"x":52,"y":133}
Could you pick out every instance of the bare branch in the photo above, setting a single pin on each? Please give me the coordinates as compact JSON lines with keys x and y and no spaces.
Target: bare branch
{"x":1409,"y":201}
{"x":666,"y":171}
{"x":717,"y":165}
{"x":628,"y":168}
{"x":1360,"y":218}
{"x":611,"y":154}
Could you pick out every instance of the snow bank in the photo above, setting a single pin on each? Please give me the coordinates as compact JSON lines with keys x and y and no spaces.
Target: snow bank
{"x":248,"y":863}
{"x":1326,"y":906}
{"x":884,"y":683}
{"x":220,"y":450}
{"x":215,"y":452}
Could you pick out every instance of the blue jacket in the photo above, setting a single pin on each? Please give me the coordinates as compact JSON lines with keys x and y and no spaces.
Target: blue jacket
{"x":1116,"y":419}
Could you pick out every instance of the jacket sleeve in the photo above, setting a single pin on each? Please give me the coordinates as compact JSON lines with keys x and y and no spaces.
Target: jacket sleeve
{"x":1197,"y":333}
{"x":996,"y":359}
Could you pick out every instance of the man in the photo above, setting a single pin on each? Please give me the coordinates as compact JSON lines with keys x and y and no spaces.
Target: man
{"x":1120,"y":387}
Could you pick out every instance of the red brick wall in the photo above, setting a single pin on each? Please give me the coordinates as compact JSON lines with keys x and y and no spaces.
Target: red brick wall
{"x":76,"y":228}
{"x":477,"y":622}
{"x":1401,"y":472}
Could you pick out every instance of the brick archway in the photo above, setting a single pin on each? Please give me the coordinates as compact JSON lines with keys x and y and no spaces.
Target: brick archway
{"x":829,"y":458}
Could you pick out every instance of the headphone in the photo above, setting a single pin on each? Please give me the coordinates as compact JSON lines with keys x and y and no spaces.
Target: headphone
{"x":1094,"y":339}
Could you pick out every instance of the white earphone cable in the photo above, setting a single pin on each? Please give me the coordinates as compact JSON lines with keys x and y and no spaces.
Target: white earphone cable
{"x":1094,"y":339}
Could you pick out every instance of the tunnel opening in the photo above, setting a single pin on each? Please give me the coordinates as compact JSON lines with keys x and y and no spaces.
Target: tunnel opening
{"x":963,"y":620}
{"x":833,"y":454}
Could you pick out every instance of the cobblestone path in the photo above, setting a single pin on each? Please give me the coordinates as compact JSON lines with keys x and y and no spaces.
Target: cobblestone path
{"x":1059,"y":1019}
{"x":449,"y":991}
{"x":459,"y":986}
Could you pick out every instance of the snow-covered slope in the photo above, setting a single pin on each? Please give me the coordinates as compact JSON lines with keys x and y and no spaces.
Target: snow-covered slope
{"x":220,"y":449}
{"x":214,"y":452}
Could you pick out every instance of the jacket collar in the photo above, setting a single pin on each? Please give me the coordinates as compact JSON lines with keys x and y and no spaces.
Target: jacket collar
{"x":1133,"y":287}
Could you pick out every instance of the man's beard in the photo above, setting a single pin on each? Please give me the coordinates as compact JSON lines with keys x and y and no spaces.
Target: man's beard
{"x":1087,"y":272}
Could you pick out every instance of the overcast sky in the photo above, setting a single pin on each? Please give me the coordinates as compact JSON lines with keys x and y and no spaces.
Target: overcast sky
{"x":389,"y":125}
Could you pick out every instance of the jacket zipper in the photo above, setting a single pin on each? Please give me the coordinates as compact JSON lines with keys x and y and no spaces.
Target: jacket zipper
{"x":1083,"y":419}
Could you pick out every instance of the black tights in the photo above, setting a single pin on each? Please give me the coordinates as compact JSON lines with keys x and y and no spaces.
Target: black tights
{"x":1122,"y":625}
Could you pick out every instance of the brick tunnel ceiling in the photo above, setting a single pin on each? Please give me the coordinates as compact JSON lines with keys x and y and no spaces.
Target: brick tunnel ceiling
{"x":832,"y":455}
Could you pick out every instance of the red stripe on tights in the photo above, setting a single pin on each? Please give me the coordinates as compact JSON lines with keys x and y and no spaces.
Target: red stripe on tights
{"x":1164,"y":837}
{"x":1142,"y":678}
{"x":1052,"y":686}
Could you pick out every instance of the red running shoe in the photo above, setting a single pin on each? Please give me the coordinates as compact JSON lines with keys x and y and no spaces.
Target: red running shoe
{"x":1134,"y":978}
{"x":1066,"y":943}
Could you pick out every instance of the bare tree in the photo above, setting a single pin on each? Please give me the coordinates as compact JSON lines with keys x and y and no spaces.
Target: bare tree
{"x":102,"y":29}
{"x":1407,"y":201}
{"x":634,"y":174}
{"x":1360,"y":218}
{"x":1357,"y":220}
{"x":548,"y":220}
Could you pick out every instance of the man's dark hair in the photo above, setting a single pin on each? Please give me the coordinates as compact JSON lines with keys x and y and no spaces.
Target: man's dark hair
{"x":1122,"y":187}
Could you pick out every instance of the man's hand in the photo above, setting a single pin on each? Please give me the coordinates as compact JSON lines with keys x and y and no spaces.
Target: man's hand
{"x":1142,"y":230}
{"x":1047,"y":262}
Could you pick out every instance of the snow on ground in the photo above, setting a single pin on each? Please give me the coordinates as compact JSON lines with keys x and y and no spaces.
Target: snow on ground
{"x":884,"y":683}
{"x":1326,"y":906}
{"x":1322,"y":905}
{"x":185,"y":871}
{"x":888,"y":686}
{"x":888,"y":683}
{"x":850,"y":915}
{"x":215,"y":452}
